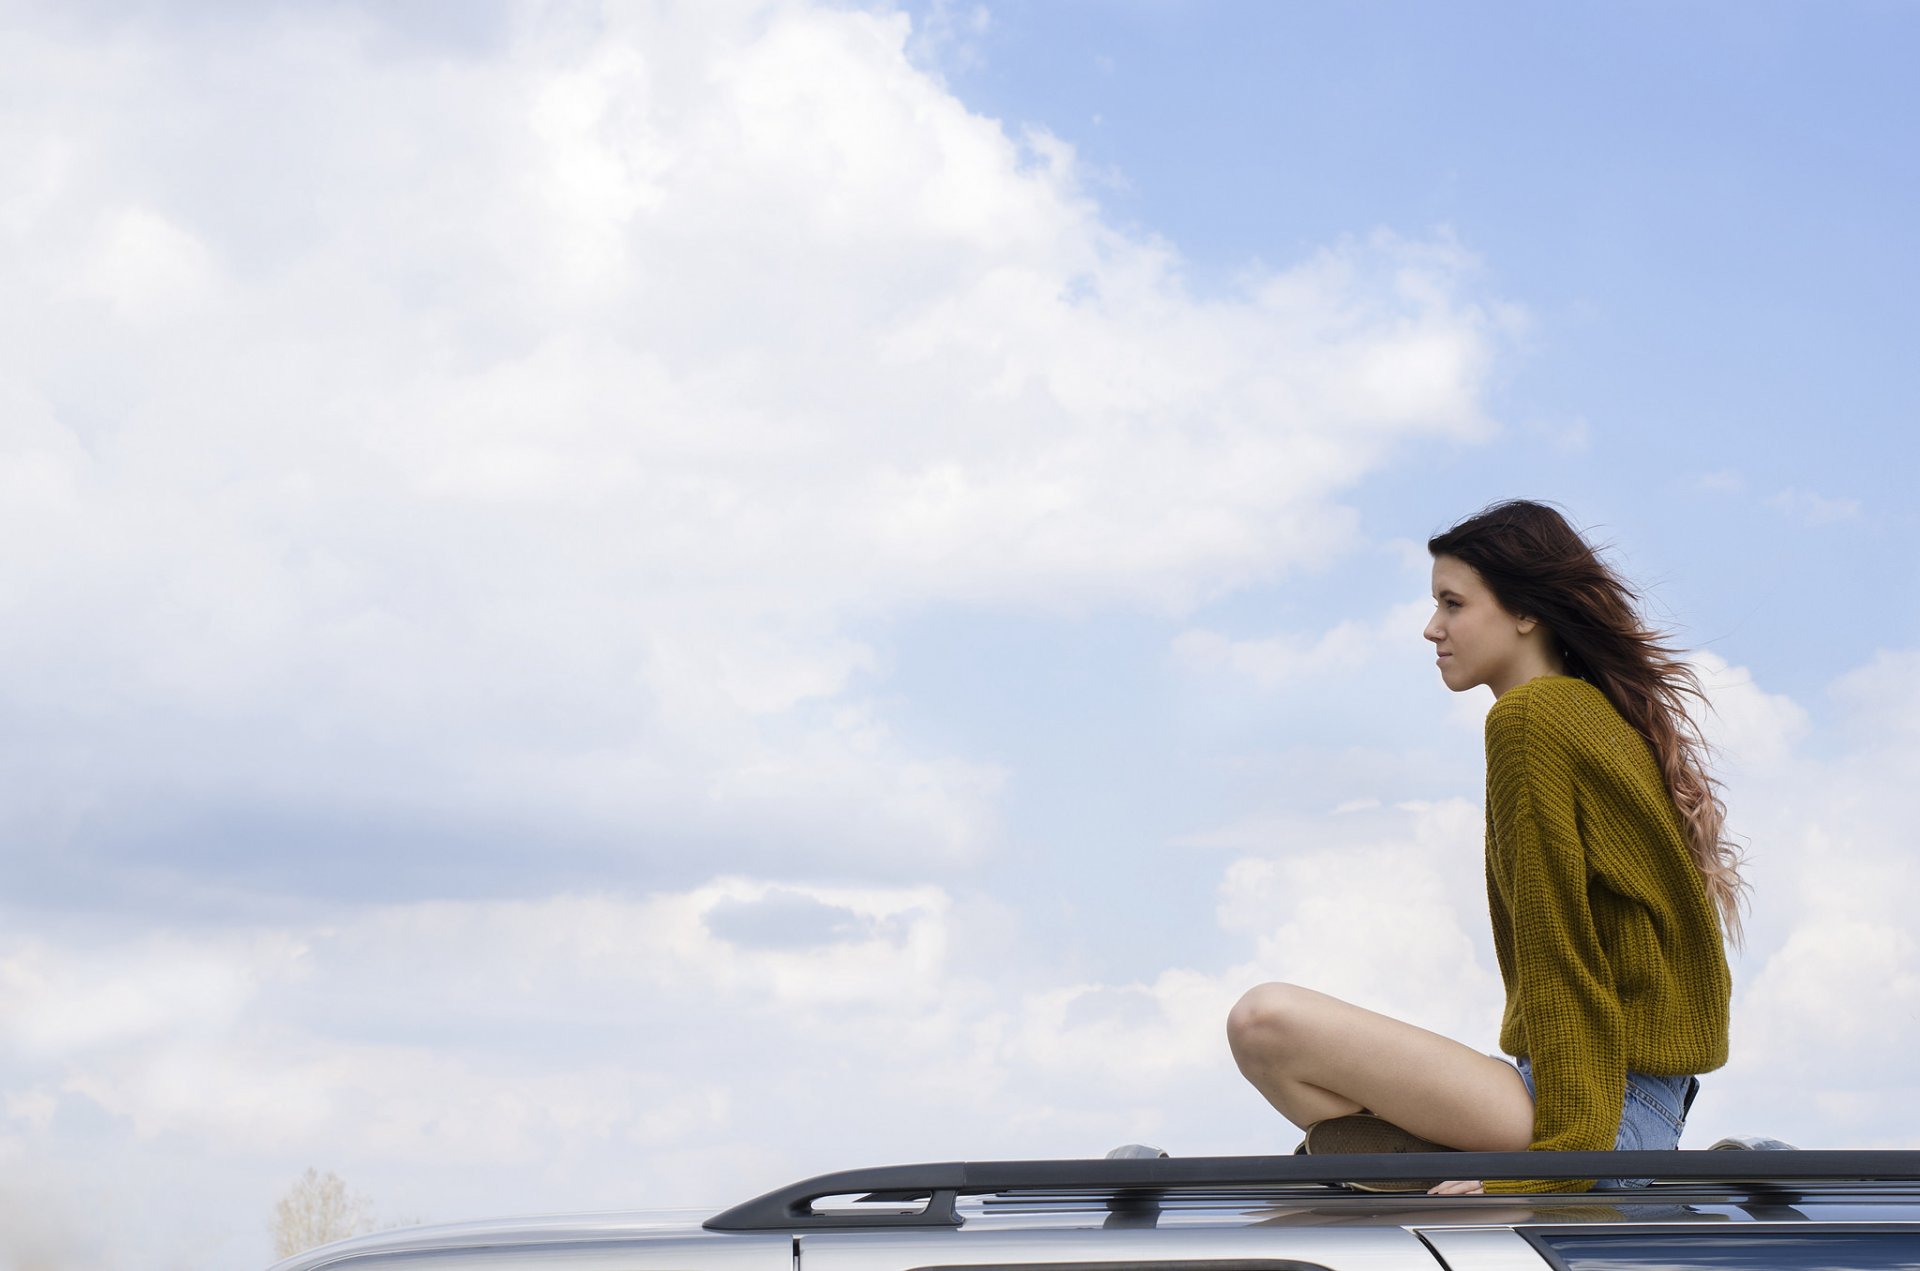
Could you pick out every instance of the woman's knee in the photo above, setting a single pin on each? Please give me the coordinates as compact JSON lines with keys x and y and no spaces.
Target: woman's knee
{"x":1269,"y":1018}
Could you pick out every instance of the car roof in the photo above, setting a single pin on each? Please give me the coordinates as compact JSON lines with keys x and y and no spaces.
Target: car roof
{"x":1142,"y":1210}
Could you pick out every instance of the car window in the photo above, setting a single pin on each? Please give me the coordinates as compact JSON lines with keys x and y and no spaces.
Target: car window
{"x":1765,"y":1250}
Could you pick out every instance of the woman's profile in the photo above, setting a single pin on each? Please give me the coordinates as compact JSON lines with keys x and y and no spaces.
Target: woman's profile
{"x":1611,"y":883}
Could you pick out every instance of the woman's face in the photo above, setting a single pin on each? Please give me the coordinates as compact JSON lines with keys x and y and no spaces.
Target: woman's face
{"x":1478,"y":641}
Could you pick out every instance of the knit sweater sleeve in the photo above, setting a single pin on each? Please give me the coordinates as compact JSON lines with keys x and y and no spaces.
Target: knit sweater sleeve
{"x":1566,"y":1000}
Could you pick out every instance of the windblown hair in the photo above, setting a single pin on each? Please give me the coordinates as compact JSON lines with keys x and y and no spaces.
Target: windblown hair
{"x":1539,"y":567}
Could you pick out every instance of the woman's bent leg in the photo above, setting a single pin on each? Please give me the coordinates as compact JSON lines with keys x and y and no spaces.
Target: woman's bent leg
{"x":1315,"y":1057}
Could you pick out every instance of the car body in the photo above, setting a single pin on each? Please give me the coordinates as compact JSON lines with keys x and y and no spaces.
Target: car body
{"x":1703,"y":1211}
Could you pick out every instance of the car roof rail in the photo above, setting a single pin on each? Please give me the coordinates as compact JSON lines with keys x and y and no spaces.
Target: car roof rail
{"x":940,"y":1185}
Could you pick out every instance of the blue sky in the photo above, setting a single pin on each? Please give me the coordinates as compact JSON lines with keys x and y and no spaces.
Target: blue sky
{"x":593,"y":585}
{"x":1701,"y":208}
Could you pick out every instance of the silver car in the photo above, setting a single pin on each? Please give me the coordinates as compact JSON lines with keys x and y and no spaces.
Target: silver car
{"x":1702,"y":1211}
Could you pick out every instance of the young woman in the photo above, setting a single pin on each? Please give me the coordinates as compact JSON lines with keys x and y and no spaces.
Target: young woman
{"x":1610,"y":879}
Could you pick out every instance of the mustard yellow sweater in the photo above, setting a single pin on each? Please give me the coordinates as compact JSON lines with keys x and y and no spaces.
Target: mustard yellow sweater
{"x":1609,"y":948}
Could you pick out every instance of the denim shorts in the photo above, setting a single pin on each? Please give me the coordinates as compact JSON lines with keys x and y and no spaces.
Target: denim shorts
{"x":1654,"y":1114}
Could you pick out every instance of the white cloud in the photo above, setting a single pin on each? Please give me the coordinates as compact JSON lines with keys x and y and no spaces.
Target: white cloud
{"x":1879,"y":698}
{"x":1385,"y":907}
{"x":421,"y":1031}
{"x":171,"y":987}
{"x":1278,"y":661}
{"x":146,"y":268}
{"x":543,"y":433}
{"x":1814,"y":509}
{"x":431,"y":1051}
{"x":1750,"y":730}
{"x":1828,"y":995}
{"x":452,"y":1056}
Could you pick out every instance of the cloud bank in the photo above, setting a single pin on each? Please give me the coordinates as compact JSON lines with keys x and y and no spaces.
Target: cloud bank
{"x":443,"y":450}
{"x":465,"y":1056}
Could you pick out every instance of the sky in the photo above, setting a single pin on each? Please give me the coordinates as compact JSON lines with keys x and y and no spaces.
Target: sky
{"x":607,"y":605}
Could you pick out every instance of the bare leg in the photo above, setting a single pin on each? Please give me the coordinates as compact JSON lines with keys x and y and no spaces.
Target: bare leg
{"x":1315,"y":1057}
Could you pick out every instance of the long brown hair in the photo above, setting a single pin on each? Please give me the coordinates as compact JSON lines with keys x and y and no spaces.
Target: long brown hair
{"x":1538,"y":566}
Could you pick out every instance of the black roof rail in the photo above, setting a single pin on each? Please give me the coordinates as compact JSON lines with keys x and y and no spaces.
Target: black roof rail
{"x":790,"y":1208}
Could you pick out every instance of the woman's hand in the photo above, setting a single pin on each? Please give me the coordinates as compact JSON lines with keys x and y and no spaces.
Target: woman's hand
{"x":1458,"y":1187}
